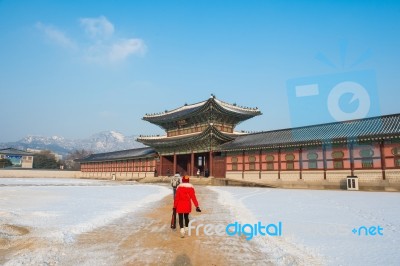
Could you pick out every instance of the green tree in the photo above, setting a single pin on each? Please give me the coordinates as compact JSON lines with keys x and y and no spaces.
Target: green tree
{"x":45,"y":160}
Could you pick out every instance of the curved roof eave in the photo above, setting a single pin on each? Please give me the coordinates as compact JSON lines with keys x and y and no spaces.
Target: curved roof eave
{"x":187,"y":110}
{"x":185,"y":139}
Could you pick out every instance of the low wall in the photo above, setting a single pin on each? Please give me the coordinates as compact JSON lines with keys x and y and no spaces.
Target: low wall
{"x":368,"y":179}
{"x":234,"y":175}
{"x":116,"y":175}
{"x":393,"y":176}
{"x":371,"y":180}
{"x":23,"y":173}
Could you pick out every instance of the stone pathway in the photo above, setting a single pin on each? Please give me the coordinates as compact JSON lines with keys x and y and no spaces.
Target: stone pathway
{"x":147,"y":241}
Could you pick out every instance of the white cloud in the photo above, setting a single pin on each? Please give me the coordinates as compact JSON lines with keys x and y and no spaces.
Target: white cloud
{"x":97,"y":27}
{"x":56,"y":35}
{"x":124,"y":48}
{"x":114,"y":52}
{"x":103,"y":47}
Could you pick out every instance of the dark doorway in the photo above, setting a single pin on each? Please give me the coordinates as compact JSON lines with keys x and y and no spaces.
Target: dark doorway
{"x":183,"y":164}
{"x":167,"y":166}
{"x":201,"y":162}
{"x":218,"y":164}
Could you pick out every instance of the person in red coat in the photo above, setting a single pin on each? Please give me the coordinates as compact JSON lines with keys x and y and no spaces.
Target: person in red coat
{"x":185,"y":194}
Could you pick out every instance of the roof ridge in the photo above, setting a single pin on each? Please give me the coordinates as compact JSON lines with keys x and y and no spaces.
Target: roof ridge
{"x":254,"y":109}
{"x":357,"y":129}
{"x":325,"y":124}
{"x":11,"y":148}
{"x":223,"y":104}
{"x":187,"y":106}
{"x":119,"y":151}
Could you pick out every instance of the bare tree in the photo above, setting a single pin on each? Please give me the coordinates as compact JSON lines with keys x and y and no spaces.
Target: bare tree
{"x":69,"y":162}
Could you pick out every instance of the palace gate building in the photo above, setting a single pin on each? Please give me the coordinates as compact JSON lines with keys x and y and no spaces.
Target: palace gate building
{"x":194,"y":134}
{"x":202,"y":136}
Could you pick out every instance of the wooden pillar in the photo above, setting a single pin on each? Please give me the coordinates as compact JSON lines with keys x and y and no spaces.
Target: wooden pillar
{"x":160,"y":166}
{"x":174,"y":167}
{"x":192,"y":164}
{"x":324,"y":160}
{"x":210,"y":166}
{"x":279,"y":163}
{"x":146,"y":167}
{"x":243,"y":164}
{"x":226,"y":163}
{"x":351,"y":158}
{"x":260,"y":164}
{"x":301,"y":162}
{"x":383,"y":161}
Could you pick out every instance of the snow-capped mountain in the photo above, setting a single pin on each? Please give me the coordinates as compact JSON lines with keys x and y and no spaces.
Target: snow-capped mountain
{"x":104,"y":141}
{"x":109,"y":141}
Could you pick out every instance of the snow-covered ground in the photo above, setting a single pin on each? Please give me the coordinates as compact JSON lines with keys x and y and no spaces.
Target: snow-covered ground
{"x":320,"y":223}
{"x":316,"y":224}
{"x":63,"y":208}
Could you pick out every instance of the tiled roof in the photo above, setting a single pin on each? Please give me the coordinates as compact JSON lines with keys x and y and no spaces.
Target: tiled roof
{"x":120,"y":155}
{"x":362,"y":129}
{"x":187,"y":110}
{"x":176,"y":113}
{"x":187,"y":138}
{"x":12,"y":151}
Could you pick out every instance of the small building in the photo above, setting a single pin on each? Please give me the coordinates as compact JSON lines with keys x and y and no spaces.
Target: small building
{"x":18,"y":158}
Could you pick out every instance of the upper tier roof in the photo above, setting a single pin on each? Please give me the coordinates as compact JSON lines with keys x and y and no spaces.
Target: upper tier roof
{"x":242,"y":113}
{"x":360,"y":129}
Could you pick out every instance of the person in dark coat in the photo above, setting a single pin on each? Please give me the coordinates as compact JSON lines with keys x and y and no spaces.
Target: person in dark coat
{"x":185,"y":195}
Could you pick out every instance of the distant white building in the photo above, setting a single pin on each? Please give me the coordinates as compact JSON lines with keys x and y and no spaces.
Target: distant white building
{"x":18,"y":158}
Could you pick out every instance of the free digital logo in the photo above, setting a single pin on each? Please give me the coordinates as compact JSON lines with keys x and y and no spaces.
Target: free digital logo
{"x":334,"y":97}
{"x":236,"y":229}
{"x":368,"y":231}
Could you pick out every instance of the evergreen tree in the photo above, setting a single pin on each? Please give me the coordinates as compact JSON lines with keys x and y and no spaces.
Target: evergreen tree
{"x":45,"y":160}
{"x":5,"y":163}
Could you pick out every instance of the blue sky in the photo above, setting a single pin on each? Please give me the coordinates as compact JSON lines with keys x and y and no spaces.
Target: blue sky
{"x":74,"y":68}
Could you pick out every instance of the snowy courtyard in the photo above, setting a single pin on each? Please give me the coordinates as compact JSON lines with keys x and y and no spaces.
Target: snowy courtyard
{"x":91,"y":222}
{"x":322,"y":222}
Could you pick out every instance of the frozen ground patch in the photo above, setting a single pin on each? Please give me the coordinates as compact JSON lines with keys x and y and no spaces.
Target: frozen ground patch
{"x":51,"y":182}
{"x":64,"y":208}
{"x":320,"y":223}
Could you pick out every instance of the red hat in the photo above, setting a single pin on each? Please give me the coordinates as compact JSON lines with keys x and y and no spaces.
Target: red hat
{"x":185,"y":179}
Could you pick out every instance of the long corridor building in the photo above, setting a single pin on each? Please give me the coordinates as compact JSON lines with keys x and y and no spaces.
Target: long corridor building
{"x":202,"y":137}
